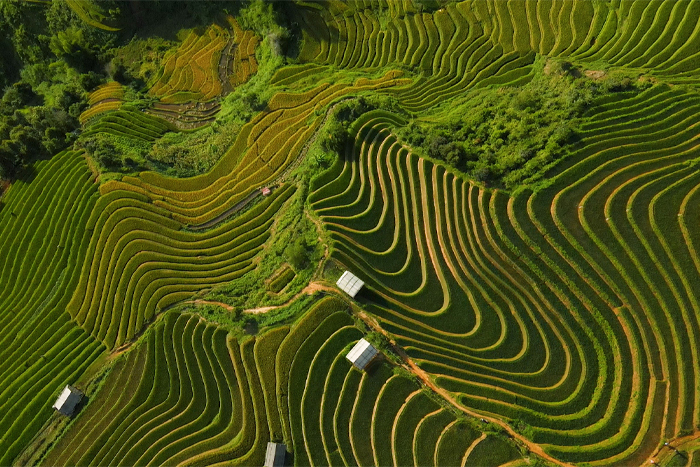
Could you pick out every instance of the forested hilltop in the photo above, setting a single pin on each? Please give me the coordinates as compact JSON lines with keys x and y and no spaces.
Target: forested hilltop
{"x":183,"y":184}
{"x":55,"y":53}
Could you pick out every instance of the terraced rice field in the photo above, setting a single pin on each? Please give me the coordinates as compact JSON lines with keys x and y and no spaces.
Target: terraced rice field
{"x":262,"y":150}
{"x":570,"y":308}
{"x":44,"y":240}
{"x":198,"y":397}
{"x":140,"y":262}
{"x":204,"y":66}
{"x":91,"y":14}
{"x":188,"y":116}
{"x":492,"y":42}
{"x":130,"y":123}
{"x":107,"y":97}
{"x":566,"y":310}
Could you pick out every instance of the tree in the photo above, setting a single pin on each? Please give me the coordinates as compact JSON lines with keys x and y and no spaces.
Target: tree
{"x":297,"y":253}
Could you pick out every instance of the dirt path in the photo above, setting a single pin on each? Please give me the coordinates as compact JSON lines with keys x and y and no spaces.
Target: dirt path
{"x":310,"y":289}
{"x":411,"y":366}
{"x":210,"y":302}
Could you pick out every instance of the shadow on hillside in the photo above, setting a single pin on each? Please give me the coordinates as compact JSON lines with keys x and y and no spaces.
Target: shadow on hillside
{"x":251,"y":327}
{"x":166,"y":19}
{"x":289,"y":457}
{"x":367,"y":296}
{"x":82,"y":404}
{"x":28,"y":174}
{"x":298,"y":25}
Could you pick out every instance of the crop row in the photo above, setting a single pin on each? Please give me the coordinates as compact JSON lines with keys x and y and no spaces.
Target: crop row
{"x":99,"y":108}
{"x":494,"y":42}
{"x":194,"y":397}
{"x":189,"y":394}
{"x":262,"y":150}
{"x":111,"y":90}
{"x":131,"y":124}
{"x":570,"y":308}
{"x":281,"y":279}
{"x":107,"y":97}
{"x":42,"y":224}
{"x":140,"y":261}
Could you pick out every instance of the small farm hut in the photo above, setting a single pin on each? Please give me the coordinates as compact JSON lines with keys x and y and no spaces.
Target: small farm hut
{"x":362,"y":354}
{"x":266,"y":191}
{"x":68,"y":400}
{"x":274,"y":457}
{"x":350,"y":283}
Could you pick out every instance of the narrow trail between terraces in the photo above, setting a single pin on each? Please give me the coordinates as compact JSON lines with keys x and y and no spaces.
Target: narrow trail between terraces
{"x":310,"y":289}
{"x":411,"y":366}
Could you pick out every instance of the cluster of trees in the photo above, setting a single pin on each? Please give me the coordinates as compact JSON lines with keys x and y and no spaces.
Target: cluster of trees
{"x":337,"y":129}
{"x":49,"y":60}
{"x":31,"y":131}
{"x":504,"y":137}
{"x":51,"y":56}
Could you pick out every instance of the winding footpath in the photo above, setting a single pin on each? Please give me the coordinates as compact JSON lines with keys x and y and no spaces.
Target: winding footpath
{"x":411,"y":366}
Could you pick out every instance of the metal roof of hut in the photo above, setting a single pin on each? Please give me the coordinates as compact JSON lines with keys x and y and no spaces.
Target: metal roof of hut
{"x":361,"y":354}
{"x":68,"y":400}
{"x":274,"y":457}
{"x":350,"y":283}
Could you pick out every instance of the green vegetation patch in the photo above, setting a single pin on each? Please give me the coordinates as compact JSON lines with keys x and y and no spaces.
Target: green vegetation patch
{"x":507,"y":136}
{"x":281,"y":278}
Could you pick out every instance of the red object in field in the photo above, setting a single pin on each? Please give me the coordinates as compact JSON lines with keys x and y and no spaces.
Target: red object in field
{"x":266,"y":191}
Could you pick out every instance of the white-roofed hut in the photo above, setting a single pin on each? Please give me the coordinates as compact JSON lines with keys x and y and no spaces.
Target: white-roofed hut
{"x":274,"y":456}
{"x":68,"y":401}
{"x":350,"y":283}
{"x":362,"y":354}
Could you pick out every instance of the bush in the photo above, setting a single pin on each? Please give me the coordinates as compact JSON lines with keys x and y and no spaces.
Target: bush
{"x":337,"y":131}
{"x":297,"y":253}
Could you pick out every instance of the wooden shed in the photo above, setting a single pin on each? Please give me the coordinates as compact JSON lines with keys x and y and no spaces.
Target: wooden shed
{"x":274,"y":457}
{"x":68,"y":401}
{"x":362,"y":354}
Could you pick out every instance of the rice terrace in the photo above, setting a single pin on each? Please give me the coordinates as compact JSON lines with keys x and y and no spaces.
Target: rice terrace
{"x":350,"y":232}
